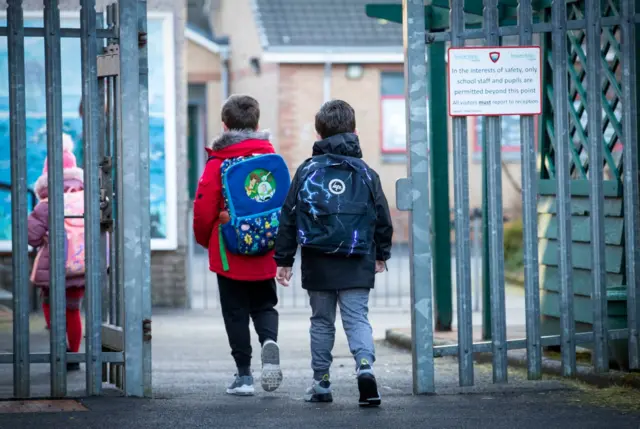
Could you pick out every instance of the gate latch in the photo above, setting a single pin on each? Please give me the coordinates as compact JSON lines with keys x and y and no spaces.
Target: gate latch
{"x":146,"y":329}
{"x":109,"y":62}
{"x":106,"y":193}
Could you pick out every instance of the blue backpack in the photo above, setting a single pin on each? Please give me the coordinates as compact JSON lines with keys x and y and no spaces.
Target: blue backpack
{"x":254,"y":189}
{"x":335,"y":207}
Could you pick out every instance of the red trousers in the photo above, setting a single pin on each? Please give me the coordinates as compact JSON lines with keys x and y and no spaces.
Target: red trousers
{"x":74,"y":319}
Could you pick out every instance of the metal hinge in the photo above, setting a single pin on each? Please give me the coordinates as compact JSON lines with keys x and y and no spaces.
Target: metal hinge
{"x":109,"y":62}
{"x":142,"y":39}
{"x":146,"y":329}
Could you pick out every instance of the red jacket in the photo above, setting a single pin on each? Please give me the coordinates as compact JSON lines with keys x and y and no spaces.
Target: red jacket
{"x":209,"y":203}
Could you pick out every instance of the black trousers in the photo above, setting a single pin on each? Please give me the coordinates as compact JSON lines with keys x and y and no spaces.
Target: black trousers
{"x":241,"y":300}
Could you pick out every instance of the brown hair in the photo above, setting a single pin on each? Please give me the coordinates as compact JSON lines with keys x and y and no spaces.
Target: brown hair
{"x":241,"y":112}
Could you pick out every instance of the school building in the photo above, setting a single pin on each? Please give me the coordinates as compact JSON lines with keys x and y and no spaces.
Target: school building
{"x":292,"y":55}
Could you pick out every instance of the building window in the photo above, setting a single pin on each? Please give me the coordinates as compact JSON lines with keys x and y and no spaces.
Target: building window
{"x":393,"y":124}
{"x":392,"y":113}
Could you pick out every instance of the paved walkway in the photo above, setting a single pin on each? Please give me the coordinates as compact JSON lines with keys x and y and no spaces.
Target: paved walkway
{"x":192,"y":366}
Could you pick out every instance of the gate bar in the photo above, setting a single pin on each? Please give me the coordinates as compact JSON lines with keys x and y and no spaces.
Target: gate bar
{"x":630,"y":177}
{"x":130,"y":232}
{"x":56,"y":203}
{"x":593,"y":14}
{"x":420,"y":256}
{"x":93,"y":276}
{"x":494,"y":191}
{"x":117,"y":372}
{"x":560,"y":109}
{"x":513,"y":30}
{"x":517,"y":344}
{"x":19,"y":212}
{"x":144,"y":194}
{"x":529,"y":169}
{"x":111,"y":357}
{"x":461,"y":197}
{"x":64,"y":32}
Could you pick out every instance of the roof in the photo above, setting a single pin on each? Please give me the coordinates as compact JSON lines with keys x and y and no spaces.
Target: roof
{"x":198,"y":28}
{"x":324,"y":23}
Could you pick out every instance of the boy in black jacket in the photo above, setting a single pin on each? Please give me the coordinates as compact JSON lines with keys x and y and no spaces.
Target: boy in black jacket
{"x":337,"y":212}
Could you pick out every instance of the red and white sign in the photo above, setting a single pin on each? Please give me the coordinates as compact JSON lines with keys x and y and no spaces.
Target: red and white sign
{"x":495,"y":81}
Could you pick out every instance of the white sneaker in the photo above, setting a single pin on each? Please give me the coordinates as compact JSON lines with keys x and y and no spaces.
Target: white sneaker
{"x":271,"y":373}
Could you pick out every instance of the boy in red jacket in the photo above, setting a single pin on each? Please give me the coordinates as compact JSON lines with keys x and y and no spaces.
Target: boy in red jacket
{"x":247,"y":283}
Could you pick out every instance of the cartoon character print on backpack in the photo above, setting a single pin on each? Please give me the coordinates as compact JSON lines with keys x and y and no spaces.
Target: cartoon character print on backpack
{"x":258,"y":233}
{"x":260,"y":185}
{"x":254,"y":207}
{"x":335,"y":207}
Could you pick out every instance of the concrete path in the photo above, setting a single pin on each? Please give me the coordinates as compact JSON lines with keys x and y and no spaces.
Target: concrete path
{"x":192,"y":366}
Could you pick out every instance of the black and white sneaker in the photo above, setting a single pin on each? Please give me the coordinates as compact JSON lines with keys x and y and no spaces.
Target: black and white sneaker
{"x":369,"y":395}
{"x":271,"y":373}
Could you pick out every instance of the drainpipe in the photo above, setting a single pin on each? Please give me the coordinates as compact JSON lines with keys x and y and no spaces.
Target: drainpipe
{"x":327,"y":82}
{"x":224,"y":77}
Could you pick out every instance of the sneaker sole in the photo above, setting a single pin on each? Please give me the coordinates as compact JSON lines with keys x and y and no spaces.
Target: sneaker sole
{"x":319,"y":397}
{"x":271,"y":377}
{"x":236,"y":392}
{"x":369,"y":396}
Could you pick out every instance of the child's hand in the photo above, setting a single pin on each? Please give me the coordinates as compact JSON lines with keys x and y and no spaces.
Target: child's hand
{"x":284,"y":275}
{"x":380,"y":267}
{"x":224,"y":217}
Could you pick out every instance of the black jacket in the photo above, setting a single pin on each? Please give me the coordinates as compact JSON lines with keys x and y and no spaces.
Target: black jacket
{"x":321,"y":271}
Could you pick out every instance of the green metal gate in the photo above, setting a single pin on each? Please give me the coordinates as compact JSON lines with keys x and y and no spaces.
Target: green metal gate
{"x":580,"y":209}
{"x":116,"y":217}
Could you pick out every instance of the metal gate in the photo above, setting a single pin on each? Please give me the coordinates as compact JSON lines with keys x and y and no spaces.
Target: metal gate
{"x":116,"y":217}
{"x":458,"y":21}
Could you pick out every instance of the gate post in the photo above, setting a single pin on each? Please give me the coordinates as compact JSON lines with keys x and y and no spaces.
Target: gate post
{"x":439,"y":147}
{"x":144,"y":194}
{"x":413,"y":195}
{"x":93,"y":236}
{"x":52,"y":59}
{"x":130,"y":224}
{"x":629,"y":49}
{"x":19,"y":232}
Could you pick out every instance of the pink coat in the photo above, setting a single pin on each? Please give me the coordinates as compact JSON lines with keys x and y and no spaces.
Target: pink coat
{"x":39,"y":229}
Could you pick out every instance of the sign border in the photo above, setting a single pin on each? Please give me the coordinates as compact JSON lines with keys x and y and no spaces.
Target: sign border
{"x":492,"y":47}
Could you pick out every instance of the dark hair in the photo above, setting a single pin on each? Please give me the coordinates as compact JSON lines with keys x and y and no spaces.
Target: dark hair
{"x":335,"y":117}
{"x":241,"y":112}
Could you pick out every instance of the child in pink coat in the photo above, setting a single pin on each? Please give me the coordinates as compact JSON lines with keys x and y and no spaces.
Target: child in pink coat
{"x":74,"y":245}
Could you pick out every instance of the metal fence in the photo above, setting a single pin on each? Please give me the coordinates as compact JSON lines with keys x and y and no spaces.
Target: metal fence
{"x":392,"y":288}
{"x":497,"y":19}
{"x":115,"y":101}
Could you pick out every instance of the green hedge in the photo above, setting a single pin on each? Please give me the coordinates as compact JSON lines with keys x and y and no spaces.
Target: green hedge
{"x":513,"y":246}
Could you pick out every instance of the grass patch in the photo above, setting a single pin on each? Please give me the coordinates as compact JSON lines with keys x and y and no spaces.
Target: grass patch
{"x":620,"y":398}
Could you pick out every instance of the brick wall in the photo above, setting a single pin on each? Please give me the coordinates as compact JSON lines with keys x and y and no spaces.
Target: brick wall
{"x":300,"y":95}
